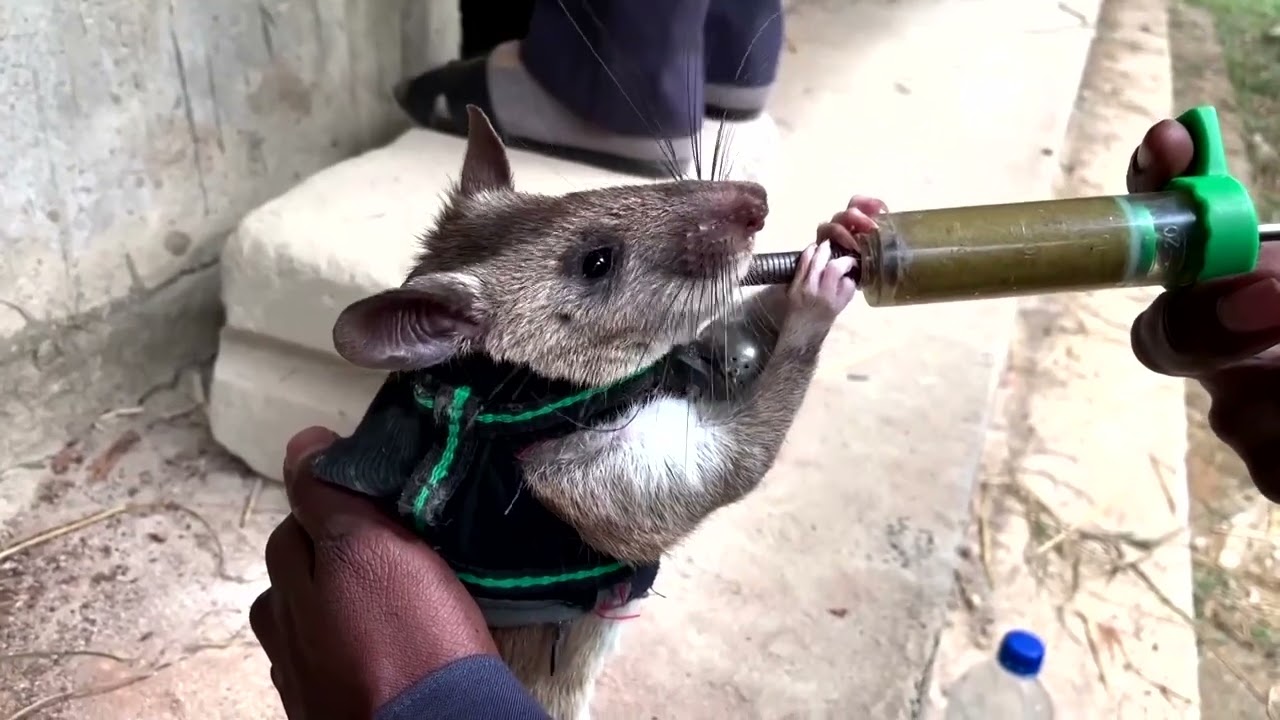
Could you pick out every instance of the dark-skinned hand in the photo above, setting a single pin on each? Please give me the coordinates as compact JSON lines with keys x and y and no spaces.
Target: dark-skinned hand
{"x":1224,"y":333}
{"x":358,"y":609}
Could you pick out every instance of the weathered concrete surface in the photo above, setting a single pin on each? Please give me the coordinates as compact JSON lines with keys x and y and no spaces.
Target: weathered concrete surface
{"x":136,"y":135}
{"x":821,"y":596}
{"x":1088,"y":446}
{"x":852,"y":568}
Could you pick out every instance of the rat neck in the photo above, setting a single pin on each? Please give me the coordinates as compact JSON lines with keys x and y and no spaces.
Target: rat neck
{"x":506,"y":386}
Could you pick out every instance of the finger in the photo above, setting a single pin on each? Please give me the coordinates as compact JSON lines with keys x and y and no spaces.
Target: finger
{"x":290,"y":557}
{"x":1253,"y":308}
{"x":1264,"y":468}
{"x":294,"y":709}
{"x":1165,"y":153}
{"x":303,"y":445}
{"x":857,"y":221}
{"x":802,"y":268}
{"x":262,"y":622}
{"x":868,"y":205}
{"x":845,"y":292}
{"x":821,"y":257}
{"x":1183,"y":332}
{"x":838,"y":234}
{"x":1245,"y":414}
{"x":321,"y":509}
{"x":835,"y":271}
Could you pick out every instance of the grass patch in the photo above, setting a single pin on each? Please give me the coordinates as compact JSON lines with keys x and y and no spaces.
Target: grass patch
{"x":1249,"y":31}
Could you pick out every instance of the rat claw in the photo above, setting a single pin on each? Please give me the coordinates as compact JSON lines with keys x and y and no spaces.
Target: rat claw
{"x":868,"y":205}
{"x":837,"y":233}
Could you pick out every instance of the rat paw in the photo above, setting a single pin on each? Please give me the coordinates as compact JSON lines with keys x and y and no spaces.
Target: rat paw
{"x":856,"y":219}
{"x":821,"y":288}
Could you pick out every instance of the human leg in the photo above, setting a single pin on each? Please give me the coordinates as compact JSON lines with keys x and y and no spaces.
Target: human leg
{"x":602,"y":77}
{"x":743,"y":41}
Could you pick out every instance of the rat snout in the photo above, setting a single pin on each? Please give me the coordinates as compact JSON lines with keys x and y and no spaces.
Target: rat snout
{"x":732,"y":214}
{"x":749,"y":205}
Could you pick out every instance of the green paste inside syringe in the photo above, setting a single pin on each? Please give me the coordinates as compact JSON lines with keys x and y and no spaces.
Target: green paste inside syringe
{"x":1030,"y":248}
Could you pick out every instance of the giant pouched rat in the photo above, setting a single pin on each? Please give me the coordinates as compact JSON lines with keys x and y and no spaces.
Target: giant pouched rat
{"x":589,"y":295}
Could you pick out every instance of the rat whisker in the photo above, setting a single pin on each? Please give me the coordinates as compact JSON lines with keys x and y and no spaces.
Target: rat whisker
{"x":737,"y":76}
{"x":667,"y":148}
{"x":696,"y":139}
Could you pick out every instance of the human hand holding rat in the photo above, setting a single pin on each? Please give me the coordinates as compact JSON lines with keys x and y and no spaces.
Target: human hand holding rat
{"x":359,"y":609}
{"x":1224,"y":333}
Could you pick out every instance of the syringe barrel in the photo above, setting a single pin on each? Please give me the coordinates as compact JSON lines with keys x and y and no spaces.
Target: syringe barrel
{"x":1032,"y":248}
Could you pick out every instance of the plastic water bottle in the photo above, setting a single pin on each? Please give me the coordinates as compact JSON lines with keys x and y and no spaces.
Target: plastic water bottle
{"x":1005,"y":688}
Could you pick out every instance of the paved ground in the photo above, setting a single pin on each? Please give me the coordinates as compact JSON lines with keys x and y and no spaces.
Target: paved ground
{"x":820,"y":596}
{"x":1100,"y":568}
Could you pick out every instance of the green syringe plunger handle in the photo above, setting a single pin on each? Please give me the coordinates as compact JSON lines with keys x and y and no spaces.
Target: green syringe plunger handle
{"x":1228,"y":240}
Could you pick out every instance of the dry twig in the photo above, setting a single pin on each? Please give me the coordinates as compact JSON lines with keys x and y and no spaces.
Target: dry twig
{"x":166,"y":506}
{"x":190,"y":651}
{"x":102,"y":466}
{"x":57,"y":532}
{"x":250,"y":501}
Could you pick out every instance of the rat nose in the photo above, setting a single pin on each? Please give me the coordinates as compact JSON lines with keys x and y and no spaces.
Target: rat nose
{"x":750,"y":205}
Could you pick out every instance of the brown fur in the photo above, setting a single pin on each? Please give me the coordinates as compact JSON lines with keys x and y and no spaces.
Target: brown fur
{"x":501,"y":272}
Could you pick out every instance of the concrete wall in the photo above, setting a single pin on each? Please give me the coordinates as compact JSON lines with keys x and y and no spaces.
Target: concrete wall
{"x":136,"y":134}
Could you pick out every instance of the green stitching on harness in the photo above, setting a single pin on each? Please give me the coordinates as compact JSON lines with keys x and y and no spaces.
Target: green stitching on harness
{"x":494,"y":418}
{"x":460,"y":395}
{"x":526,"y":582}
{"x":450,"y":449}
{"x":557,"y":405}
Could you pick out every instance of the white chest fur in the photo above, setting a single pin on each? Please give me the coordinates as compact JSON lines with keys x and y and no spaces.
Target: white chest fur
{"x":661,"y":445}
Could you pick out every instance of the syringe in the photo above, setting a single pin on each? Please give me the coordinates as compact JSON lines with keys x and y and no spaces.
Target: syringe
{"x":1203,"y":225}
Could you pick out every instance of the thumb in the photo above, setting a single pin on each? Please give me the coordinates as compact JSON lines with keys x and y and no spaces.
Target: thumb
{"x":303,"y":445}
{"x":1195,"y":330}
{"x":324,"y":510}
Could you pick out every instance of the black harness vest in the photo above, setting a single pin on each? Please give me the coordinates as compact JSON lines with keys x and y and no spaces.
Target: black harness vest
{"x":442,"y":447}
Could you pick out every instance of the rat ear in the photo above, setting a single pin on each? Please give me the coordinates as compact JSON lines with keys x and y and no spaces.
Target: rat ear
{"x":423,"y":323}
{"x":485,"y":166}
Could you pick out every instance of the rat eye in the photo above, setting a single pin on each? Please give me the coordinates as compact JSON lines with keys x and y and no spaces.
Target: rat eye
{"x":597,"y":263}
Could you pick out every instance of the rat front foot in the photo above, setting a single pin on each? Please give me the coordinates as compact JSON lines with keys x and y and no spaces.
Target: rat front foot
{"x":820,"y":290}
{"x":858,"y":218}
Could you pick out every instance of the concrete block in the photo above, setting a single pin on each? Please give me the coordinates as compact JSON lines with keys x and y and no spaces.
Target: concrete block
{"x":350,"y":230}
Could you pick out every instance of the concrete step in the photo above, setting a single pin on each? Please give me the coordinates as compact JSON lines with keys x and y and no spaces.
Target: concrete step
{"x":823,"y":593}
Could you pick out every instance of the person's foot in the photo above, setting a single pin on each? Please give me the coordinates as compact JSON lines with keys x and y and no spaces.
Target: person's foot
{"x":735,"y":102}
{"x":528,"y":117}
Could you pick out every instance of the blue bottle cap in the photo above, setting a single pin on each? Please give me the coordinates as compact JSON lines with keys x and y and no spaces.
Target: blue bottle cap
{"x":1021,"y":653}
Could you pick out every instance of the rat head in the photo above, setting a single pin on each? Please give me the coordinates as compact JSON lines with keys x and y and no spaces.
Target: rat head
{"x":589,"y":286}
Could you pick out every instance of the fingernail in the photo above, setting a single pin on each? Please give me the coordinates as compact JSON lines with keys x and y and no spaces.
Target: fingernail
{"x":1252,"y":308}
{"x":305,"y":444}
{"x":1143,"y":159}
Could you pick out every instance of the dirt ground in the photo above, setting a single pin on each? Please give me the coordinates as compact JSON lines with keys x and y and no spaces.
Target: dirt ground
{"x":1236,"y":534}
